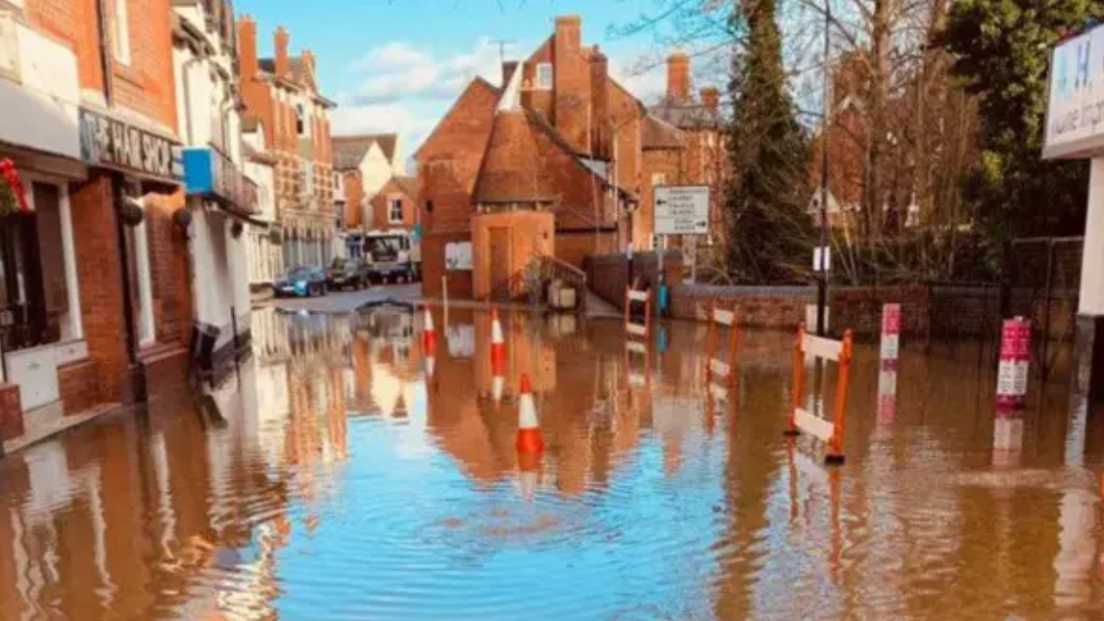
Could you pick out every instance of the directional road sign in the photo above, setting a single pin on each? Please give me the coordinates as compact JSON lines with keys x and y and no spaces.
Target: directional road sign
{"x":682,"y":210}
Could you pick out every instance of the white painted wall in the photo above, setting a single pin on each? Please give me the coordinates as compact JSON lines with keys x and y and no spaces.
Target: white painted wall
{"x":375,"y":171}
{"x":209,"y":117}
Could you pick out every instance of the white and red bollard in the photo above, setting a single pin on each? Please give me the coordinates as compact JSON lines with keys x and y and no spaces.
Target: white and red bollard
{"x":498,"y":358}
{"x":891,"y":351}
{"x":1015,"y":362}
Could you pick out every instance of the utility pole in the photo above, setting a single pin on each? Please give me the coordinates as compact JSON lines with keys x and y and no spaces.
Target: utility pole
{"x":822,"y":283}
{"x":502,"y":43}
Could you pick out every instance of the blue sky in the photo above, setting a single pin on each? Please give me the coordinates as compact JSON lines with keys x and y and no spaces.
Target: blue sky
{"x":397,"y":65}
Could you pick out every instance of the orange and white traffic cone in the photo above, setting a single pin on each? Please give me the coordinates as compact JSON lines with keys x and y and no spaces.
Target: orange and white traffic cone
{"x":498,"y":385}
{"x":429,"y":335}
{"x":529,"y":437}
{"x":498,"y":343}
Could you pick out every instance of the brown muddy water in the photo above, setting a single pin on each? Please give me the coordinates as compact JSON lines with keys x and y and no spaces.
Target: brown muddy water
{"x":332,"y":479}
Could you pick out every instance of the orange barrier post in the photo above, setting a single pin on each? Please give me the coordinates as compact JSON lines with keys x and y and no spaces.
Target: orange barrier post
{"x":800,"y":420}
{"x":529,"y":436}
{"x":498,"y":342}
{"x":725,"y":368}
{"x":429,"y":344}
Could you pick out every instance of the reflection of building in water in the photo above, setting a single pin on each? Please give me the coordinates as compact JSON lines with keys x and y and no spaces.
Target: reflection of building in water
{"x":270,"y":335}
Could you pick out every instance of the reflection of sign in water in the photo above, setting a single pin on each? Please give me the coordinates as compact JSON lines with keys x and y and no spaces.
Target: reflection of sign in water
{"x":682,"y":210}
{"x":458,"y":256}
{"x":1075,"y":114}
{"x":461,"y":341}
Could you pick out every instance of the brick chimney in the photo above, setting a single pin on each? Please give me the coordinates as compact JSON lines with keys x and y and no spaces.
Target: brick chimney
{"x":247,"y":46}
{"x":601,"y":125}
{"x":282,"y":39}
{"x":678,"y":77}
{"x":572,"y":83}
{"x":711,"y":99}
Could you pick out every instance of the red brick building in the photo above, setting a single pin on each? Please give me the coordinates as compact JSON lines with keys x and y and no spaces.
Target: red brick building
{"x":396,"y":205}
{"x":565,"y":118}
{"x":561,"y":136}
{"x":282,"y":94}
{"x":96,"y":306}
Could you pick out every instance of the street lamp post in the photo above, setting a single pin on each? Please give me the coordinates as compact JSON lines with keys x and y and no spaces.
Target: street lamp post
{"x":822,"y":282}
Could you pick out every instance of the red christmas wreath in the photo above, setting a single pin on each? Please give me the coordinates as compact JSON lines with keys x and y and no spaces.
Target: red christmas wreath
{"x":12,"y":196}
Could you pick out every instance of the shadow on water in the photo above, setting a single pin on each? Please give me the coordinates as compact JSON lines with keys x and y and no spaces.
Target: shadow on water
{"x":347,"y":472}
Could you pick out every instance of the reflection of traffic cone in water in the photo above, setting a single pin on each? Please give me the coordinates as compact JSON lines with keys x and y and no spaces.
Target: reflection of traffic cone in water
{"x":429,"y":343}
{"x":498,"y":358}
{"x":529,"y":474}
{"x":529,"y":438}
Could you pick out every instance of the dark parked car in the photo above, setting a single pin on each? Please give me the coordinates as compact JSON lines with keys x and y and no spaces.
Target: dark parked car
{"x":302,"y":282}
{"x":351,"y":273}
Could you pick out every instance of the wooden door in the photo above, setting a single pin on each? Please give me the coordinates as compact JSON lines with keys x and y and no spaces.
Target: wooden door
{"x":500,"y":261}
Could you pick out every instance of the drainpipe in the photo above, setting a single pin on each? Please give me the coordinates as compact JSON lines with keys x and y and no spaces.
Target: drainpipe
{"x":105,"y":54}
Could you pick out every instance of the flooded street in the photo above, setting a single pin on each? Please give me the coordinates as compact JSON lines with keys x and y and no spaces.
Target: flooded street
{"x":342,"y":475}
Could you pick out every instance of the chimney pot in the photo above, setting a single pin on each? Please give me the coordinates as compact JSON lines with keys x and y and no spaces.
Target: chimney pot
{"x":282,"y":39}
{"x":711,"y":99}
{"x":678,"y":77}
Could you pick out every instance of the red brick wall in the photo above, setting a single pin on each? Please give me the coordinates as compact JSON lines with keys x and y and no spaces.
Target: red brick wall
{"x":79,"y":386}
{"x":859,"y":309}
{"x":780,"y":308}
{"x":354,"y":199}
{"x":381,"y":208}
{"x":146,"y":85}
{"x":572,"y":83}
{"x":73,"y":23}
{"x":574,"y":246}
{"x":100,"y":279}
{"x":433,"y":267}
{"x":170,"y":272}
{"x":537,"y":100}
{"x":608,"y":274}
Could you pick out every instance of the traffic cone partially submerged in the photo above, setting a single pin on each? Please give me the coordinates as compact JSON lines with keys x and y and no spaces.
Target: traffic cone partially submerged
{"x":498,"y":344}
{"x":498,"y":385}
{"x":529,"y":437}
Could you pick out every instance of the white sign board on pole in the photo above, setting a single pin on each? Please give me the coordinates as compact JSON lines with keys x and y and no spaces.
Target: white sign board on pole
{"x":1075,"y":113}
{"x":682,"y":210}
{"x":822,"y":259}
{"x":458,"y":256}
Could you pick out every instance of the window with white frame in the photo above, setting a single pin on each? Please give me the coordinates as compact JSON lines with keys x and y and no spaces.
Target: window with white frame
{"x":394,"y":211}
{"x":122,"y":32}
{"x":301,"y":120}
{"x":544,"y":76}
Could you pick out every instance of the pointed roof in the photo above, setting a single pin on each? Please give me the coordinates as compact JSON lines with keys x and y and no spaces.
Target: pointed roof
{"x":349,"y":151}
{"x":512,"y":170}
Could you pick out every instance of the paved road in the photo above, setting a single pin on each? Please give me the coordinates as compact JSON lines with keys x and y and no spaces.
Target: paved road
{"x":348,"y":301}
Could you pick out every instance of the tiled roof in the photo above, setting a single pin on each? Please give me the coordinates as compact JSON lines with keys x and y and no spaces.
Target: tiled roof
{"x":349,"y":151}
{"x":658,"y":134}
{"x":409,"y":185}
{"x":297,"y":68}
{"x":685,"y":115}
{"x":512,"y":170}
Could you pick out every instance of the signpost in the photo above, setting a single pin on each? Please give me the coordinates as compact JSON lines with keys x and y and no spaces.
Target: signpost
{"x":679,"y":210}
{"x":682,"y":210}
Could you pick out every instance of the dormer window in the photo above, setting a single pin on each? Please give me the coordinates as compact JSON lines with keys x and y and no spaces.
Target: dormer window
{"x":544,"y":76}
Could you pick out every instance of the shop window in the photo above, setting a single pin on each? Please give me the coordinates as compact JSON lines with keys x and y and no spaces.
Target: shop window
{"x":395,"y":211}
{"x":36,"y":305}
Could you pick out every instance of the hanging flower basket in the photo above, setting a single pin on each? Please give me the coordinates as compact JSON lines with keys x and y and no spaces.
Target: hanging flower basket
{"x":12,"y":196}
{"x":132,"y":214}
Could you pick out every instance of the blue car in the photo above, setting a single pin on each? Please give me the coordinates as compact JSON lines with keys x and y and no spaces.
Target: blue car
{"x":302,"y":282}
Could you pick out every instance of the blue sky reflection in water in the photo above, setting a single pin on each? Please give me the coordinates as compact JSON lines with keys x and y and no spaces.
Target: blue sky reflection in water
{"x":342,"y":483}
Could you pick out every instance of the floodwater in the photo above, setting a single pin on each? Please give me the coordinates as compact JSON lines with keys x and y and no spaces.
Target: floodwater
{"x":334,"y":478}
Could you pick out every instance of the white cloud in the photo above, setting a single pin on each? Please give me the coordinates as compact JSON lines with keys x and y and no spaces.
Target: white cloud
{"x":398,"y":70}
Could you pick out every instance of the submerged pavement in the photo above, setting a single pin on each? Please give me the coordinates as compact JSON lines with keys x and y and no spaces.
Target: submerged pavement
{"x":343,"y":475}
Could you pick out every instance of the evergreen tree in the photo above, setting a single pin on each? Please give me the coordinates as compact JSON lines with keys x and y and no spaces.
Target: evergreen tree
{"x":770,"y":235}
{"x":1002,"y":50}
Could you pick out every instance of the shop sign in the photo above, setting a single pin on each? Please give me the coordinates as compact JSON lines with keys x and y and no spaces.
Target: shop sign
{"x":110,"y":143}
{"x":211,"y":174}
{"x":1075,"y":110}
